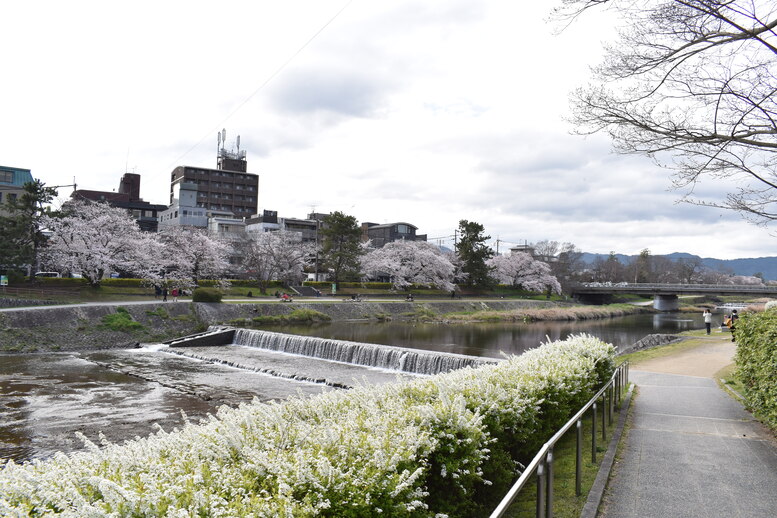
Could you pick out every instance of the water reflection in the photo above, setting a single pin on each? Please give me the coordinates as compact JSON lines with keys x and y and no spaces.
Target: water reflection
{"x":493,"y":339}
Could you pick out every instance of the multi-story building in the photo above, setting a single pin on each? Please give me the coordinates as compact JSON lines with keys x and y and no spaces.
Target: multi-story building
{"x":379,"y":235}
{"x":128,"y":197}
{"x":229,"y":188}
{"x":12,"y":180}
{"x":270,"y":222}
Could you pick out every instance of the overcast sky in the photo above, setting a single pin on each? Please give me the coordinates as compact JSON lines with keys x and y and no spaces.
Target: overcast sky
{"x":426,"y":112}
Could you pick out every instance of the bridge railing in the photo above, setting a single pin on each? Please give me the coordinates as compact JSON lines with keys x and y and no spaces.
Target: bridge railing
{"x":541,"y":465}
{"x":643,"y":286}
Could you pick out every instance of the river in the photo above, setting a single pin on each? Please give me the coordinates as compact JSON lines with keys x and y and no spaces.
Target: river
{"x":46,"y":398}
{"x":493,"y":339}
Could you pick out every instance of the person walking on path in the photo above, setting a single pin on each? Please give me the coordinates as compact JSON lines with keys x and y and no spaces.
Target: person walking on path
{"x":707,"y":320}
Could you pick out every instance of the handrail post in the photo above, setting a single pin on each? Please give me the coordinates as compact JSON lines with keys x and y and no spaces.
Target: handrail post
{"x":579,"y":458}
{"x":593,"y":435}
{"x":541,"y":490}
{"x":604,"y":417}
{"x":549,"y":485}
{"x":611,"y":399}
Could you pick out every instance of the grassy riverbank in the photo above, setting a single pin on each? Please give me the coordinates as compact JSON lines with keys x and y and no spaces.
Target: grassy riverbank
{"x":560,"y":312}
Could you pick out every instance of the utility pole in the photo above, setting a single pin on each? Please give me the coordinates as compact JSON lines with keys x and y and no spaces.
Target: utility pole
{"x":313,"y":215}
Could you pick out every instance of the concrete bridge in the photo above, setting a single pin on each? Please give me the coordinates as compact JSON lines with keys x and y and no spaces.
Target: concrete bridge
{"x":665,"y":296}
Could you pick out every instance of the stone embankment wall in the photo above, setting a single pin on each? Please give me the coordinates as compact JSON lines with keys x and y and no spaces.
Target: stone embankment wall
{"x":16,"y":303}
{"x":80,"y":327}
{"x":651,"y":341}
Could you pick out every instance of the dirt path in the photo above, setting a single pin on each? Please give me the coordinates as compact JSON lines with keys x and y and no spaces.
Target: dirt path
{"x":715,"y":352}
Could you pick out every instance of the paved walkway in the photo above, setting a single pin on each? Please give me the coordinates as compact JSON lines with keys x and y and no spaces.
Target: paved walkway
{"x":692,"y":451}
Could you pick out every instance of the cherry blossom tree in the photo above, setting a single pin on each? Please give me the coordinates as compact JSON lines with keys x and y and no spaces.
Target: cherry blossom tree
{"x":520,"y":269}
{"x":94,"y":239}
{"x":411,"y":262}
{"x":277,"y":255}
{"x":185,"y":255}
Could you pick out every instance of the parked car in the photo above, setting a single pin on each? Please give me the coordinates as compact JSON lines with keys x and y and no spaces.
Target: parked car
{"x":47,"y":274}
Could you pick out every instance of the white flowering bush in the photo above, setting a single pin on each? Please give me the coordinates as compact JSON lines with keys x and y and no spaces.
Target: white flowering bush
{"x":441,"y":446}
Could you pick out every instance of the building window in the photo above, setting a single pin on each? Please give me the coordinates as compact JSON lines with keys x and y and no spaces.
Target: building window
{"x":6,"y":176}
{"x":403,"y":229}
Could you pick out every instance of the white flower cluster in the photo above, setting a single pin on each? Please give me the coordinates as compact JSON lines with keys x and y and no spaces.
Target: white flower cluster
{"x":367,"y":451}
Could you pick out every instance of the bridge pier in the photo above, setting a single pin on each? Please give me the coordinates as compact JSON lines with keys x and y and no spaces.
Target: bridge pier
{"x":666,"y":303}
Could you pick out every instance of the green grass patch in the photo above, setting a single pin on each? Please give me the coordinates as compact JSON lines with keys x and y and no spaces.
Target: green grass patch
{"x":421,"y":313}
{"x":566,"y":504}
{"x":728,"y":379}
{"x":298,"y":316}
{"x":121,"y":321}
{"x":158,"y":312}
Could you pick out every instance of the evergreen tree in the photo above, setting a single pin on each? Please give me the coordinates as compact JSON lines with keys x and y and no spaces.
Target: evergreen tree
{"x":341,"y":246}
{"x":20,"y":227}
{"x":474,"y":254}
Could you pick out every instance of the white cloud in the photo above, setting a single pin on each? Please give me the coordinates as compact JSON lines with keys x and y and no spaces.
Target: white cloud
{"x":423,"y":112}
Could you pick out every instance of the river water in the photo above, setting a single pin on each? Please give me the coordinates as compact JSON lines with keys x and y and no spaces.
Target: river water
{"x":46,"y":398}
{"x":493,"y":339}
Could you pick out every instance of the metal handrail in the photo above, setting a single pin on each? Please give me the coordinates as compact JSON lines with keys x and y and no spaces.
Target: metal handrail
{"x":542,"y":463}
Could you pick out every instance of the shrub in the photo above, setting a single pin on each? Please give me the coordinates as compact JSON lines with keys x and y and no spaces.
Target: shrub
{"x":416,"y":448}
{"x":756,"y":359}
{"x":122,"y":283}
{"x":206,"y":295}
{"x":59,"y":281}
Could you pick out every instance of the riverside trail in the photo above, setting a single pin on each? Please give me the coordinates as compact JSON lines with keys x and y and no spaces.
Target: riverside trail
{"x":691,"y":450}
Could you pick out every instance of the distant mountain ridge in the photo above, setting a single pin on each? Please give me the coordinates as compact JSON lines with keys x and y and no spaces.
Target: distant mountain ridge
{"x":765,"y":265}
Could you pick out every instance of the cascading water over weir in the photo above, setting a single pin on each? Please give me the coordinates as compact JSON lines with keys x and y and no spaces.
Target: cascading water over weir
{"x":414,"y":361}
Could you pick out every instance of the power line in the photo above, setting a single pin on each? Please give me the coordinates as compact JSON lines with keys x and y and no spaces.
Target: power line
{"x":265,"y":83}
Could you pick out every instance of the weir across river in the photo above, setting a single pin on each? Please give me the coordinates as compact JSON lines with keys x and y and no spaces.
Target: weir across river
{"x":123,"y":393}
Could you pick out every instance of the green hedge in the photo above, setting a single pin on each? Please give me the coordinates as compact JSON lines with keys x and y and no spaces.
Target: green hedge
{"x":439,"y":446}
{"x":206,"y":295}
{"x":60,"y":281}
{"x":756,"y":359}
{"x":326,"y":286}
{"x":122,"y":283}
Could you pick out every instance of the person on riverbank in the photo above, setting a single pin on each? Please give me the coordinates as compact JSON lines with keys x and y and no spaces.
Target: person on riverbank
{"x":733,"y":325}
{"x":707,"y":320}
